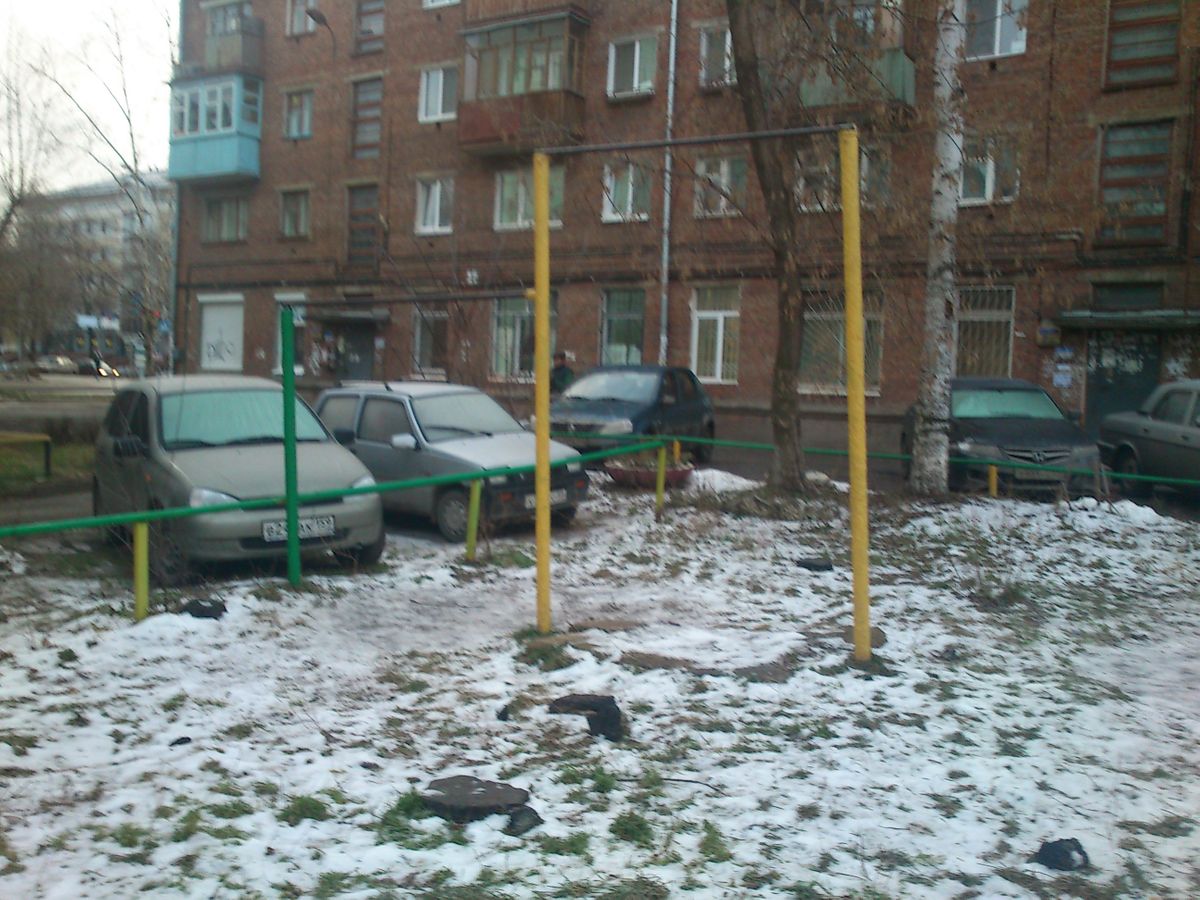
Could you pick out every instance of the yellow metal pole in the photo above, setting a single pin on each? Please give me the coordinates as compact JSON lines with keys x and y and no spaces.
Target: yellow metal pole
{"x":541,"y":377}
{"x":856,"y":392}
{"x":676,"y":451}
{"x":993,"y":482}
{"x":141,"y":571}
{"x":473,"y":518}
{"x":660,"y":483}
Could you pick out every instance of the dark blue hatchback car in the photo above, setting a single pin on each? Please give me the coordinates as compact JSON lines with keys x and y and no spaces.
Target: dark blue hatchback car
{"x":611,"y":401}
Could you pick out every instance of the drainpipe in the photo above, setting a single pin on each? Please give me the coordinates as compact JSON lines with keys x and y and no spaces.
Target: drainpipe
{"x":175,"y":239}
{"x":668,"y":160}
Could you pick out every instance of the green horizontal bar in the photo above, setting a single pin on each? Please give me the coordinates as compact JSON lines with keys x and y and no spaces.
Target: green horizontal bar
{"x":185,"y":512}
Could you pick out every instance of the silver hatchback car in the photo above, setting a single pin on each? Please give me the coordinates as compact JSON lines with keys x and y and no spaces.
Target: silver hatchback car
{"x":410,"y":430}
{"x":204,"y":440}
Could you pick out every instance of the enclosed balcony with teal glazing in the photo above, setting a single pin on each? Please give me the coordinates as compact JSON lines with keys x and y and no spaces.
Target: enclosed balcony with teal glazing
{"x":216,"y":128}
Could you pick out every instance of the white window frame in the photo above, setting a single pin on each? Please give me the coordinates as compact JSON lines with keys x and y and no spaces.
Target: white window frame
{"x":524,"y":219}
{"x":436,"y":75}
{"x":305,"y":122}
{"x":435,"y":4}
{"x":298,"y":301}
{"x":1000,"y":9}
{"x":871,"y":313}
{"x":832,"y":177}
{"x":607,"y":318}
{"x":220,"y":352}
{"x":722,"y":184}
{"x":1007,"y":316}
{"x":430,"y":189}
{"x":988,"y":161}
{"x":243,"y":219}
{"x":217,"y":96}
{"x":729,"y":75}
{"x":298,"y":21}
{"x":720,"y":316}
{"x":524,"y":331}
{"x":608,"y":209}
{"x":639,"y":48}
{"x":419,"y":318}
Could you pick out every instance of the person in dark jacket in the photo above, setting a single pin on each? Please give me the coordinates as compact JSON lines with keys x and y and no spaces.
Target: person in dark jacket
{"x":561,"y":375}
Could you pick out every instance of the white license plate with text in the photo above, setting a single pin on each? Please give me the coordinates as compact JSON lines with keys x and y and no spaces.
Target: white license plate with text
{"x":556,"y":497}
{"x":314,"y":527}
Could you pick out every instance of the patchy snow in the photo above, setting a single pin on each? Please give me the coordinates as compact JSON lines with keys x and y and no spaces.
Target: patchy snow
{"x":1041,"y":681}
{"x":718,"y":480}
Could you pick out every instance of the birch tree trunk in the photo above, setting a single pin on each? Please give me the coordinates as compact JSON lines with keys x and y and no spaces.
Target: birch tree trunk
{"x":930,"y":439}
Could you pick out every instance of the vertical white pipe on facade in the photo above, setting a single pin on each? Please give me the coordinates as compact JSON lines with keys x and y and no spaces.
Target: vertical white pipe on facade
{"x":668,"y":160}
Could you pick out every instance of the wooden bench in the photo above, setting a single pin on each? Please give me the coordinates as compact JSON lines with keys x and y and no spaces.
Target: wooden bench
{"x":30,"y":437}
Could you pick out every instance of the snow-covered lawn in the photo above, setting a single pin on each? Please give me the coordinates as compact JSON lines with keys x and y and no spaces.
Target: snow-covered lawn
{"x":1039,"y":680}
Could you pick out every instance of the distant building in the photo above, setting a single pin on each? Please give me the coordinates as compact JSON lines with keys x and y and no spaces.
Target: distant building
{"x":120,"y":238}
{"x":366,"y":160}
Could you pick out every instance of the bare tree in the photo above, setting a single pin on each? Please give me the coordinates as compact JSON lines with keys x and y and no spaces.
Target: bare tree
{"x":27,"y":113}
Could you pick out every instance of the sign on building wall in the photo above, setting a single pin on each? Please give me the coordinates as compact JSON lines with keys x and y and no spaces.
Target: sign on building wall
{"x":221,"y":333}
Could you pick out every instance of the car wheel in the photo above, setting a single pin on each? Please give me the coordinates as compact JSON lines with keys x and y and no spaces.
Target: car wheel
{"x":564,"y":516}
{"x":168,"y":563}
{"x":451,"y":515}
{"x":704,"y":452}
{"x":114,"y":535}
{"x":364,"y":554}
{"x":1127,"y":465}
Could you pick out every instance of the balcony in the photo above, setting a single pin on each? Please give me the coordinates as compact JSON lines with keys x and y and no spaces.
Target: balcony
{"x":891,"y":77}
{"x":219,"y":158}
{"x":215,"y":129}
{"x":240,"y":51}
{"x":478,"y":12}
{"x":519,"y":124}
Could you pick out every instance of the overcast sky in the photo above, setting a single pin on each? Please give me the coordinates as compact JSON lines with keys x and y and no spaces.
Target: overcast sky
{"x":75,"y":34}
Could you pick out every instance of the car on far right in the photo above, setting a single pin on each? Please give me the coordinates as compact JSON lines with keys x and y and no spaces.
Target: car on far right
{"x":1160,"y":439}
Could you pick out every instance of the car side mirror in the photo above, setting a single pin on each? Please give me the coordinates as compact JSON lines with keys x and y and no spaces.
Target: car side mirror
{"x":128,"y":447}
{"x":343,"y":436}
{"x":1075,"y":416}
{"x":404,"y":442}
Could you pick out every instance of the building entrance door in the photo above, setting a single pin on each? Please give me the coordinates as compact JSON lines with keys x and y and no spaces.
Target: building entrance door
{"x":356,"y":352}
{"x":1122,"y":370}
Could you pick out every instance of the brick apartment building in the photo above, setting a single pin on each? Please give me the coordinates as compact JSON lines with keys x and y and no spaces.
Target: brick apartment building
{"x":367,"y":159}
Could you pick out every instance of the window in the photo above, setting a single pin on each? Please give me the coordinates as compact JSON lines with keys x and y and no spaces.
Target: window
{"x":433,"y":4}
{"x":293,"y":213}
{"x":225,"y":219}
{"x":227,"y":18}
{"x":1172,"y":407}
{"x":631,"y":65}
{"x":368,"y":114}
{"x":823,"y":349}
{"x":990,"y":173}
{"x":1134,"y":178}
{"x":621,"y":337}
{"x":716,"y":57}
{"x":369,"y":27}
{"x":626,"y":193}
{"x":514,"y":199}
{"x":439,"y":94}
{"x":720,"y":186}
{"x":1143,"y":42}
{"x":512,"y":340}
{"x":435,"y":205}
{"x":297,"y":114}
{"x":207,"y":109}
{"x":431,"y":330}
{"x":985,"y":331}
{"x":995,"y":28}
{"x":298,"y":20}
{"x":381,"y":419}
{"x":221,"y":334}
{"x":339,"y":413}
{"x":715,"y":326}
{"x":522,"y":59}
{"x":1118,"y":297}
{"x":818,"y":185}
{"x":363,"y":226}
{"x":251,"y":92}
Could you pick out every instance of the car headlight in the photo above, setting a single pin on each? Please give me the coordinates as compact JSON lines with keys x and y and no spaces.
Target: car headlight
{"x":574,"y":467}
{"x":365,"y":481}
{"x":497,"y":480}
{"x":620,"y":426}
{"x":206,"y":497}
{"x":963,"y":447}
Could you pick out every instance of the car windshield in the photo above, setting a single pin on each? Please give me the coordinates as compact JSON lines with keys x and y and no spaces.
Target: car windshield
{"x":229,"y":418}
{"x":448,"y":416}
{"x":628,"y":387}
{"x":1003,"y":403}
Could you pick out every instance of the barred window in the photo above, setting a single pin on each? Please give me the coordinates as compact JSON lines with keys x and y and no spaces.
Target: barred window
{"x":823,"y":350}
{"x":1143,"y":42}
{"x":985,"y":326}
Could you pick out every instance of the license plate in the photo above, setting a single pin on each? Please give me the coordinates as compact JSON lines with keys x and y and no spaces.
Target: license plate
{"x":556,"y":497}
{"x":314,"y":527}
